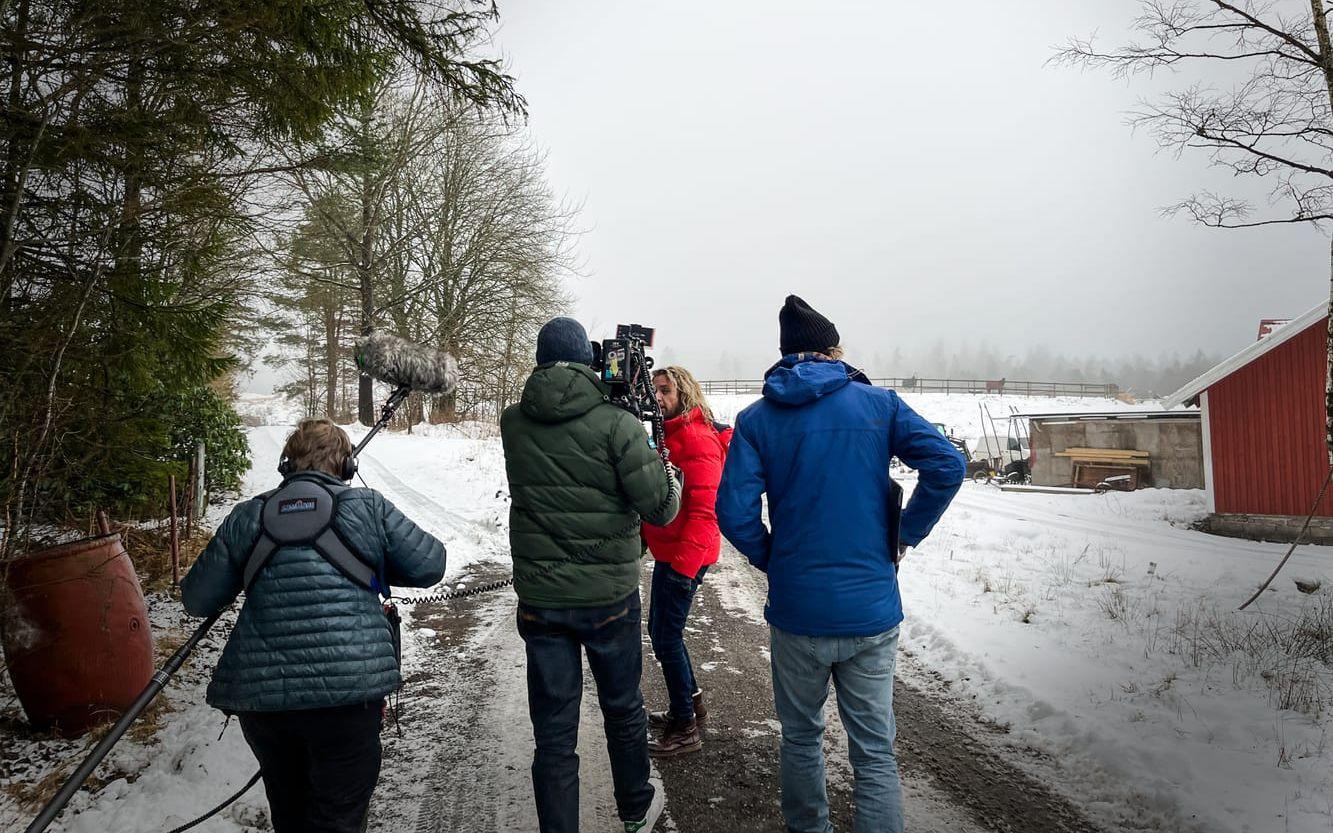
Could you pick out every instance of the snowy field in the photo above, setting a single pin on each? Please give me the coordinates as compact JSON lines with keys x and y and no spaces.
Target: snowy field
{"x":1099,"y":629}
{"x":969,"y":416}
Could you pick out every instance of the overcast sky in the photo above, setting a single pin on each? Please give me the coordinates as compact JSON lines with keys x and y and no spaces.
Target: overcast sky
{"x":914,"y":170}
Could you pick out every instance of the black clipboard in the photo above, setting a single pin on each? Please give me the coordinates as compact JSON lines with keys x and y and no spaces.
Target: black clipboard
{"x":895,"y":519}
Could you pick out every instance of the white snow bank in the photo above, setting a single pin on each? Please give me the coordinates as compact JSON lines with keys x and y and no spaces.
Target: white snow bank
{"x":1103,"y":630}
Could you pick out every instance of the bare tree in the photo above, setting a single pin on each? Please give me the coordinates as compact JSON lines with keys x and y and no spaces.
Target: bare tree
{"x":441,"y":225}
{"x":1272,"y":124}
{"x":494,"y":244}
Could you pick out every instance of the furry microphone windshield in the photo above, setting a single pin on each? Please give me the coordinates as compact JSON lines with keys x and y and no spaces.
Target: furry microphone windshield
{"x":402,"y":363}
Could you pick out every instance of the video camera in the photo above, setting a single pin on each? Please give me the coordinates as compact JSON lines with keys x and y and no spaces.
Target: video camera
{"x":622,"y":363}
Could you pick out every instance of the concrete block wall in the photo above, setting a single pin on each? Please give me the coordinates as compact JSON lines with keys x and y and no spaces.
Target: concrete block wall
{"x":1175,"y":448}
{"x":1278,"y":528}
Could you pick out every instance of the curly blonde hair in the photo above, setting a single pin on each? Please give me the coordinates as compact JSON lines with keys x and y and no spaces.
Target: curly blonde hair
{"x":690,"y":394}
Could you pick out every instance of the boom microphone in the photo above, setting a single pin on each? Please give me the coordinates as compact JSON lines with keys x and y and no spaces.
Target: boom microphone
{"x":403,"y":363}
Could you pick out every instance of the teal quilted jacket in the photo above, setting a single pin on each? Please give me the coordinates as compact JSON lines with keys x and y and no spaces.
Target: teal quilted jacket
{"x":307,"y":637}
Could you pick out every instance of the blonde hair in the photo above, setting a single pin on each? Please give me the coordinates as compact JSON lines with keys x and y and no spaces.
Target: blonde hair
{"x":689,"y":394}
{"x":835,"y":352}
{"x":317,"y":445}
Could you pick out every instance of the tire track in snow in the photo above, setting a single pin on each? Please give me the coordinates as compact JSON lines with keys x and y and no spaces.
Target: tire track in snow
{"x":470,"y":699}
{"x":1240,"y":553}
{"x":428,"y":510}
{"x":473,"y":690}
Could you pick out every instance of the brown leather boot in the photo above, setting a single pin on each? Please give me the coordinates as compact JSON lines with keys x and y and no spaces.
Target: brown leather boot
{"x":660,"y":720}
{"x":678,"y":738}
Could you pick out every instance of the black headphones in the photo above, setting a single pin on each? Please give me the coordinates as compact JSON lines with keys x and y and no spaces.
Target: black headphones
{"x":347,"y":474}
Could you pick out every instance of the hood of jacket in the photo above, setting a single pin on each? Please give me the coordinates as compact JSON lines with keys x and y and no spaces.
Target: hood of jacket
{"x":562,"y":391}
{"x":801,"y":378}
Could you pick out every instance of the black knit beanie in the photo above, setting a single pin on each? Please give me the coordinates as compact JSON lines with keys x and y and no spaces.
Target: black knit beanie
{"x":802,"y":330}
{"x":563,"y":340}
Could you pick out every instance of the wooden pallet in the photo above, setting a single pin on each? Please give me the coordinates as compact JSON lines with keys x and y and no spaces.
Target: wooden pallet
{"x":1092,"y":465}
{"x":1114,"y":456}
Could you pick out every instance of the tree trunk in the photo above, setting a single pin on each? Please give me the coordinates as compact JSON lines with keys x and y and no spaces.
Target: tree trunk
{"x":11,"y":197}
{"x":311,"y":389}
{"x":365,"y":392}
{"x":330,"y":360}
{"x":505,"y":383}
{"x":1326,"y":63}
{"x":129,"y":238}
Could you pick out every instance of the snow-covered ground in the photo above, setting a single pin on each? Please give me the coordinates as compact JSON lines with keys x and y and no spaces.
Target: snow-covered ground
{"x":1100,"y":629}
{"x":450,"y":479}
{"x":1103,"y":630}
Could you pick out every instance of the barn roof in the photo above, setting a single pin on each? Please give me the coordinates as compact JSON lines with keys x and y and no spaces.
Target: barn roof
{"x":1250,"y":353}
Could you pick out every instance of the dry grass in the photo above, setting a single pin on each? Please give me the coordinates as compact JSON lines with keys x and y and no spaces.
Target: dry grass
{"x":1291,"y":651}
{"x":32,"y":796}
{"x":1117,"y":605}
{"x":1111,"y":572}
{"x":150,"y":552}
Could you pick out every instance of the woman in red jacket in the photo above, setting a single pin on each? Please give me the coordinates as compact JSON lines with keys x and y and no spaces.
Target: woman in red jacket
{"x":683,"y":550}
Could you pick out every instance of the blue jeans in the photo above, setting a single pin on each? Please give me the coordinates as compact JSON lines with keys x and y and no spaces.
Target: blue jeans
{"x":672,"y":595}
{"x":611,"y":638}
{"x":862,"y":672}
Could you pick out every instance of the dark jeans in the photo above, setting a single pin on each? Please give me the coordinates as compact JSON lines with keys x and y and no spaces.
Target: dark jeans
{"x":672,"y":595}
{"x":610,"y":637}
{"x":320,"y":765}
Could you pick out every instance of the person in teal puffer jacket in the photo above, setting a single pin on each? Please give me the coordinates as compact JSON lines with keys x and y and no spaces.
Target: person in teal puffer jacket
{"x":311,"y":657}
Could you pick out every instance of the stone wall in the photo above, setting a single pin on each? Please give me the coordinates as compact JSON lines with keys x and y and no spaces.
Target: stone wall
{"x":1174,"y":446}
{"x":1281,"y":528}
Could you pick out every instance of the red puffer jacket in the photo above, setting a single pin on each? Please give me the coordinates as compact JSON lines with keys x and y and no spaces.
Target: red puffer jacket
{"x":692,"y":540}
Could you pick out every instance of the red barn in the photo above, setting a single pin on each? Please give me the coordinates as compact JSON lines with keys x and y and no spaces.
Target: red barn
{"x":1265,"y":456}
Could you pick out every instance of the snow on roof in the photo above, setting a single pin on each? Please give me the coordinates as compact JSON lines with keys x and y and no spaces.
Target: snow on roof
{"x":1251,"y":352}
{"x":1083,"y":415}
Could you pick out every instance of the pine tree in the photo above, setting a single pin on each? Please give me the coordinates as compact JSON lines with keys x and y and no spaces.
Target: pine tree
{"x":136,"y":136}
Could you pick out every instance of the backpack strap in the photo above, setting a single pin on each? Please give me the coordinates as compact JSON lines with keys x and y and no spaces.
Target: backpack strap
{"x":301,"y":513}
{"x":263,"y":549}
{"x":335,"y":551}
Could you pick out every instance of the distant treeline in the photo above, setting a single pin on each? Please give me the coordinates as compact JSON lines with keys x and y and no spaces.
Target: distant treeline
{"x":1143,"y":376}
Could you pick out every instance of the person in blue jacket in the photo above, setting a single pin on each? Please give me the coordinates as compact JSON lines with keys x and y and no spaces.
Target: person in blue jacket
{"x":312,"y":655}
{"x":818,"y":444}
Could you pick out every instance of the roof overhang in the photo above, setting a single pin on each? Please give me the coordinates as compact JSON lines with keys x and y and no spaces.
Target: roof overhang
{"x":1111,"y":415}
{"x":1251,"y":352}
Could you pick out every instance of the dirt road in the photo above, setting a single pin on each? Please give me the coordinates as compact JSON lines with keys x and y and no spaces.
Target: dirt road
{"x":462,"y":762}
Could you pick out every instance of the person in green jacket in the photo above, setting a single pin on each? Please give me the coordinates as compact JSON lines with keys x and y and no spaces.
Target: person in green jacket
{"x":582,"y":478}
{"x":312,"y":655}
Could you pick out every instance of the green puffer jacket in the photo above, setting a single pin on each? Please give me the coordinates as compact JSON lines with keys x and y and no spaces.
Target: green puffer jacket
{"x":582,"y":476}
{"x":307,"y":636}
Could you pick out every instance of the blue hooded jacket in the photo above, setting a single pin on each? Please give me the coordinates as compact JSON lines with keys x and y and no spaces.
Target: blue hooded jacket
{"x":819,"y":444}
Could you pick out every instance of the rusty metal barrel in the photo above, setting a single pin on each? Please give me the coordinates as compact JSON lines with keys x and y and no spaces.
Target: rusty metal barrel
{"x":77,"y":639}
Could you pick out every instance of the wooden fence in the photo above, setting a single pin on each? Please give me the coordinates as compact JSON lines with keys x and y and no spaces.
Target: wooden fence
{"x":1013,"y":387}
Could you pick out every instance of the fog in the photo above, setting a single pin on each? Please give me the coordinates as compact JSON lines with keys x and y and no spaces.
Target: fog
{"x":917,"y":172}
